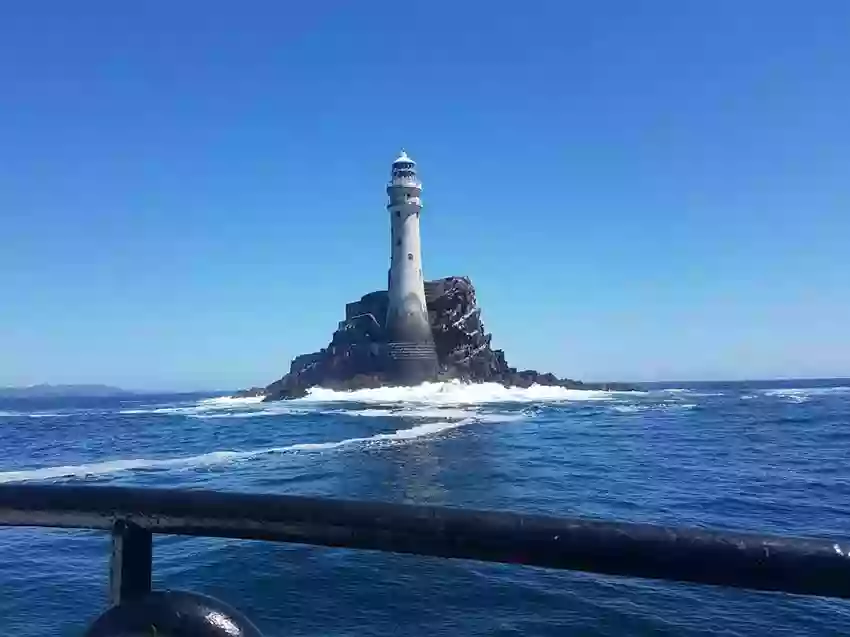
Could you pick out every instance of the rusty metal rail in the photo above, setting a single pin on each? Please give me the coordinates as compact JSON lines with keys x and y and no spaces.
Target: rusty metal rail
{"x":132,"y":515}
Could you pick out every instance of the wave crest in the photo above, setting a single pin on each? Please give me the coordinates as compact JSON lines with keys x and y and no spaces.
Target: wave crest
{"x":456,"y":393}
{"x":804,"y":394}
{"x":450,"y":421}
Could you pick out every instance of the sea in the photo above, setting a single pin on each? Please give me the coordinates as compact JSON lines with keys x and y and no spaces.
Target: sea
{"x":756,"y":456}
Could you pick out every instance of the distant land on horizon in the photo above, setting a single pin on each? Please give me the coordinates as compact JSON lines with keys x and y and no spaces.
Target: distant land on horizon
{"x":63,"y":391}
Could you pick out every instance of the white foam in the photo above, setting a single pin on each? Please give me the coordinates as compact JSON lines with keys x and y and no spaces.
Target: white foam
{"x":230,"y":401}
{"x":456,"y":393}
{"x":664,"y":406}
{"x":805,"y":392}
{"x":224,"y":457}
{"x":691,"y":392}
{"x":626,"y":409}
{"x":436,"y":395}
{"x":222,"y":403}
{"x":20,"y":414}
{"x":278,"y":409}
{"x":424,"y":412}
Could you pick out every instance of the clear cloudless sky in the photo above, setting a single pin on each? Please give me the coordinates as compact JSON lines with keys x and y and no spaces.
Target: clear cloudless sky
{"x":191,"y":191}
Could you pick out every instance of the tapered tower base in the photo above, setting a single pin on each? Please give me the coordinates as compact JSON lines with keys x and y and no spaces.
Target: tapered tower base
{"x":412,"y":357}
{"x":411,"y":363}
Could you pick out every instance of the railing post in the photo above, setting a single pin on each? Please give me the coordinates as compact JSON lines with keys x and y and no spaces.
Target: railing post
{"x":131,"y":561}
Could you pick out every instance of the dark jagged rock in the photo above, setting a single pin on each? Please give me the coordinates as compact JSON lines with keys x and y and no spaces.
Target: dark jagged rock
{"x":250,"y":393}
{"x":463,"y":347}
{"x":356,"y":357}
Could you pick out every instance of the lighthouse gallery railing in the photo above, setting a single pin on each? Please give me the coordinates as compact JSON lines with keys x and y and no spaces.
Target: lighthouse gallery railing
{"x":132,"y":515}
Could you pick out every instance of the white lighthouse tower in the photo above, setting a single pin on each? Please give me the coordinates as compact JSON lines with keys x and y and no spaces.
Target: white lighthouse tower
{"x":410,"y":348}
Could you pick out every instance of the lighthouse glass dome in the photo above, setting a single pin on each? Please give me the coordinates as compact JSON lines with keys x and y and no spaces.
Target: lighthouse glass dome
{"x":404,"y":172}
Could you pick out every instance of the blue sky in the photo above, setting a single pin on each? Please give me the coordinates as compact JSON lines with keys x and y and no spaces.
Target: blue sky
{"x":190,"y":192}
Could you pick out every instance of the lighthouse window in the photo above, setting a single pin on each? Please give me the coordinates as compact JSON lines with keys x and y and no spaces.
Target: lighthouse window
{"x":410,"y":256}
{"x":398,"y":242}
{"x":398,"y":213}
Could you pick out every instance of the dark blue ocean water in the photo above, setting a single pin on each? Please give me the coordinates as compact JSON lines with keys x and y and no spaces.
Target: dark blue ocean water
{"x":771,"y":457}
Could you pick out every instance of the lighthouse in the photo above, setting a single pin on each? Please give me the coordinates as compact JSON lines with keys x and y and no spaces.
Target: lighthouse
{"x":410,"y":347}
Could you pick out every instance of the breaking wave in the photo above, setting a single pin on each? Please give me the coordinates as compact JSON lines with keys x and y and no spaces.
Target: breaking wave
{"x":393,"y":399}
{"x":806,"y":391}
{"x":231,"y":401}
{"x":804,"y":394}
{"x":457,"y":393}
{"x":226,"y":457}
{"x":203,"y":406}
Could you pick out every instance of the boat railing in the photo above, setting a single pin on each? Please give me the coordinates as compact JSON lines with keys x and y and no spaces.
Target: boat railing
{"x":133,"y":515}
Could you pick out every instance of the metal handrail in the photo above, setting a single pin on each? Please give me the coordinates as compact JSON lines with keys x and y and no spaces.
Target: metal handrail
{"x":740,"y":560}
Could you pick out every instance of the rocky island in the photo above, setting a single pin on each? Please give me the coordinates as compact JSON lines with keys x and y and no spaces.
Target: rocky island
{"x":412,"y":332}
{"x":356,"y":356}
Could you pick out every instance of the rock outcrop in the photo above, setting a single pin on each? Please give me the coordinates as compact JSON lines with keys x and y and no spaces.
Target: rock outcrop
{"x":355,"y":358}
